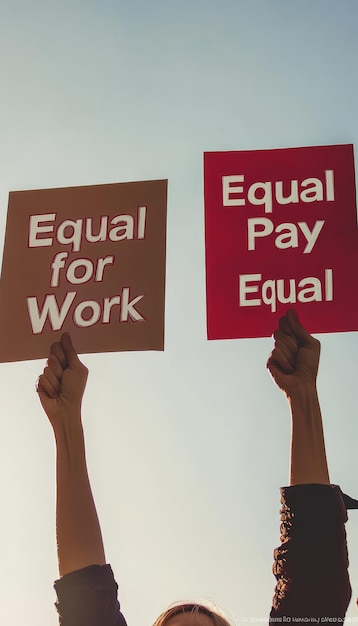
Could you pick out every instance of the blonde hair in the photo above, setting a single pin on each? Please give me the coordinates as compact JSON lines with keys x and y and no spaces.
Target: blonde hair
{"x":193,"y":608}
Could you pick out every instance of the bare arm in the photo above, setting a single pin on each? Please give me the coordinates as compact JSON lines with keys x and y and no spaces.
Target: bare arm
{"x":293,"y":365}
{"x":60,"y":388}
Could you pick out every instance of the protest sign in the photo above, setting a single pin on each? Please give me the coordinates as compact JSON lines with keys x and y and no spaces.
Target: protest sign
{"x":87,"y":260}
{"x":281,"y":232}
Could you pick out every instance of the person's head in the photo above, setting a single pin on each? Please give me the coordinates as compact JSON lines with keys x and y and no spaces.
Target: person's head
{"x":191,"y":614}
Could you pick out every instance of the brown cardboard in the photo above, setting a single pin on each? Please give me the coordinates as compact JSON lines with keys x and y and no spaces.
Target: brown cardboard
{"x":52,"y":263}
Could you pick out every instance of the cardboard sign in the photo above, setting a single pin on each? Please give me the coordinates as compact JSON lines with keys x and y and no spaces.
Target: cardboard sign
{"x":281,"y":232}
{"x":87,"y":260}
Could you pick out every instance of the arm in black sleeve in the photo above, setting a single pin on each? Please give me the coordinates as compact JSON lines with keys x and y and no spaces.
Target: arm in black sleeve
{"x":88,"y":597}
{"x":311,"y":564}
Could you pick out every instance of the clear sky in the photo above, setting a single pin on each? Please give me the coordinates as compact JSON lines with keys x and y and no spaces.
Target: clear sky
{"x":186,"y":448}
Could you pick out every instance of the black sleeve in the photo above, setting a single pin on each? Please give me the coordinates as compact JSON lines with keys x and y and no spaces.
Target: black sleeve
{"x":311,"y":564}
{"x":88,"y":597}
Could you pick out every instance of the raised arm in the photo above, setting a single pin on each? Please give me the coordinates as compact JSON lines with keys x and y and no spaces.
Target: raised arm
{"x":60,"y":388}
{"x":86,"y":591}
{"x":311,"y":564}
{"x":293,"y":365}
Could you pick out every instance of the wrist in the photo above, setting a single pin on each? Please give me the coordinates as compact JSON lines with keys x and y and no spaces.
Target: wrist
{"x":308,"y":454}
{"x":302,"y":392}
{"x":68,"y":429}
{"x":70,"y":450}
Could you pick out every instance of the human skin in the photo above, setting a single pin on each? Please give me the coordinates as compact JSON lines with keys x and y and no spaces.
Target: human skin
{"x":293,"y":365}
{"x":60,"y":389}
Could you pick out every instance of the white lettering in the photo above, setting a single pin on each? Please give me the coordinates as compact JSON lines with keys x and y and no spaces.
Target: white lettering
{"x":35,"y":229}
{"x":228,"y":189}
{"x":127,"y":308}
{"x":57,"y":263}
{"x":86,"y":267}
{"x":330,"y":184}
{"x":266,"y":197}
{"x":107,"y":307}
{"x":87,"y":274}
{"x":101,"y":264}
{"x":312,"y":291}
{"x":288,"y":239}
{"x":253,"y":232}
{"x":75,"y":236}
{"x":265,"y":193}
{"x":328,"y":274}
{"x":293,"y":197}
{"x":291,"y":298}
{"x":71,"y":232}
{"x":245,"y":289}
{"x":50,"y":310}
{"x":101,"y":236}
{"x":311,"y":236}
{"x":85,"y":313}
{"x":83,"y":322}
{"x":142,"y":213}
{"x":263,"y":227}
{"x":271,"y":291}
{"x":125,"y":231}
{"x":314,"y":190}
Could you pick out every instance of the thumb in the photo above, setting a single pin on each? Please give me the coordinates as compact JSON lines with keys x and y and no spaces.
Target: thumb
{"x":69,"y":350}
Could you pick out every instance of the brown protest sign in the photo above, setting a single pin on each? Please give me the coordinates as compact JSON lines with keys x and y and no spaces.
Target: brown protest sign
{"x":87,"y":260}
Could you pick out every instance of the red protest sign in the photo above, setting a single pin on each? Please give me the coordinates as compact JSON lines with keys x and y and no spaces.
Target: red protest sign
{"x":281,"y":231}
{"x":88,"y":260}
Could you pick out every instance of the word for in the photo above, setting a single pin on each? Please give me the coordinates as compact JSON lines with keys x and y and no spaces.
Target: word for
{"x":72,"y":232}
{"x":87,"y":269}
{"x":84,"y":314}
{"x":264,"y":193}
{"x":310,"y":289}
{"x":288,"y":238}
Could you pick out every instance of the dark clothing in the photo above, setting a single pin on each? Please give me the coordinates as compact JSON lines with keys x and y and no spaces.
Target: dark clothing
{"x":88,"y":597}
{"x":310,"y":566}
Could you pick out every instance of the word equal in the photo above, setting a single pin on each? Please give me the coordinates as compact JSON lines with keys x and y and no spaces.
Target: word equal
{"x":271,"y":291}
{"x":73,"y":232}
{"x":309,"y":190}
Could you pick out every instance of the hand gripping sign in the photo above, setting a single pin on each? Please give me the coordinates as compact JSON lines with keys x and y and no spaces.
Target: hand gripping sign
{"x":281,"y":231}
{"x":88,"y":260}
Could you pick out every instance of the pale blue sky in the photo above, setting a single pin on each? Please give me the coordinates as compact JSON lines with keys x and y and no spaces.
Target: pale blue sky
{"x":186,"y":448}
